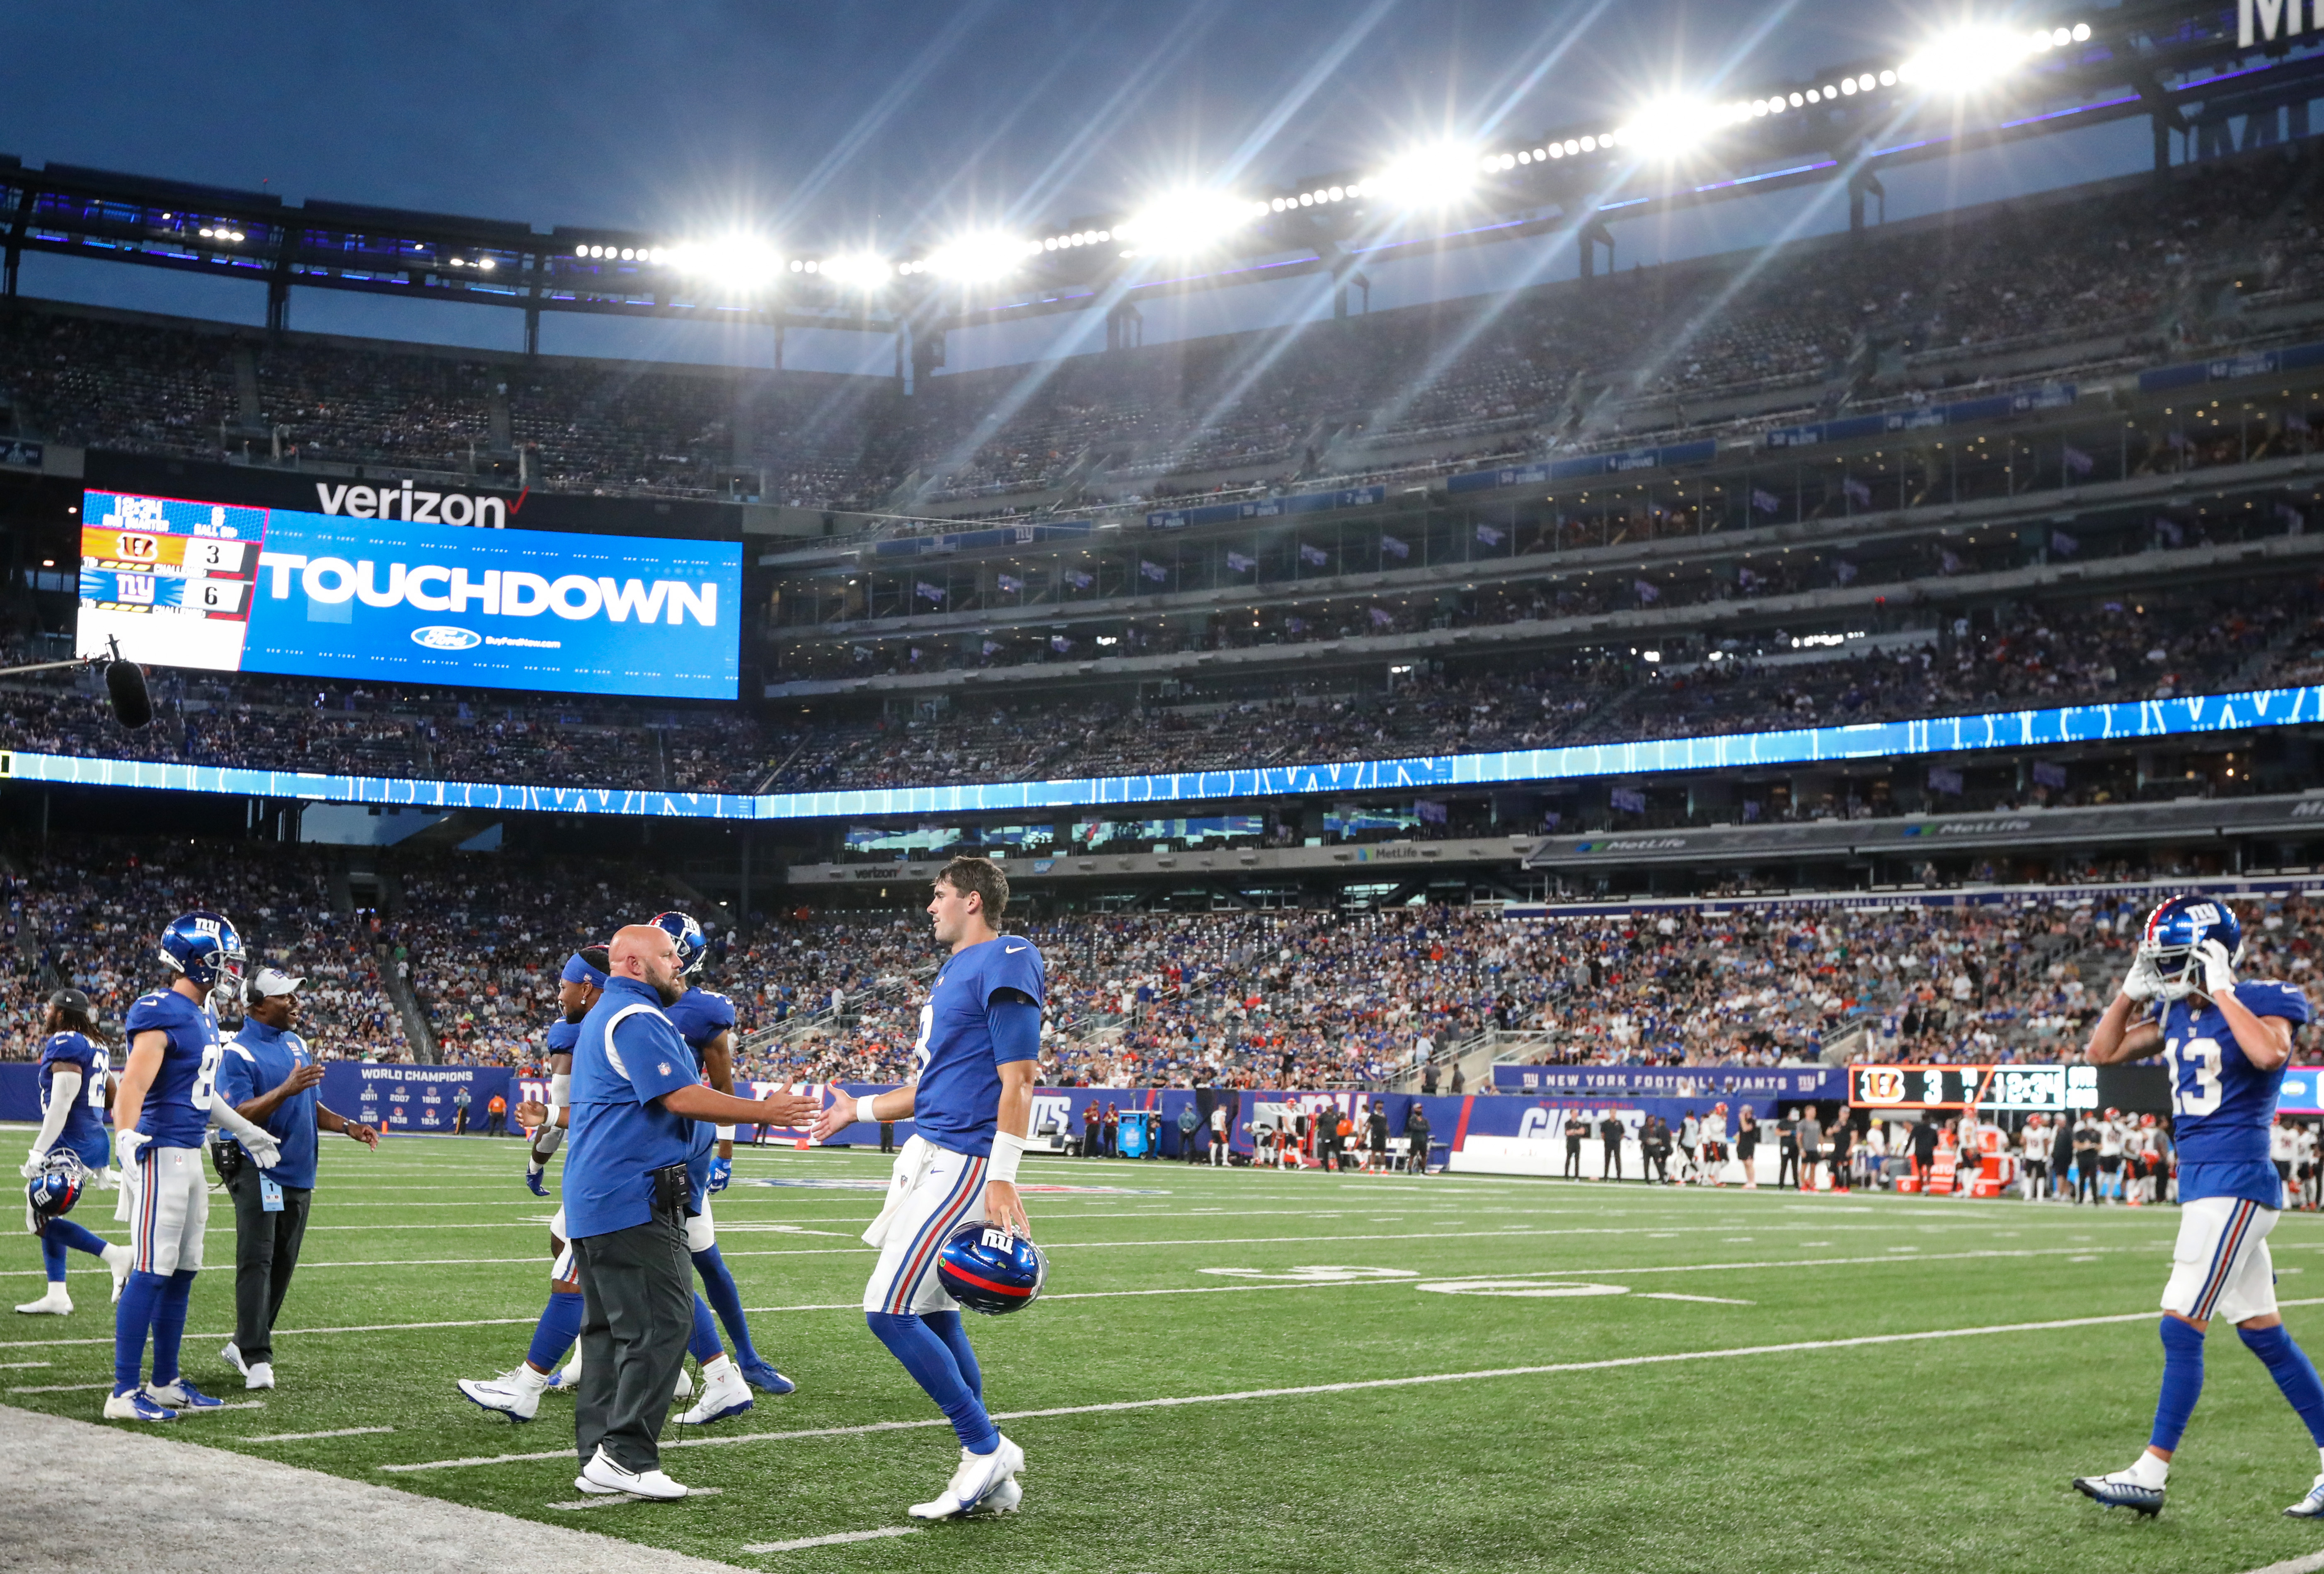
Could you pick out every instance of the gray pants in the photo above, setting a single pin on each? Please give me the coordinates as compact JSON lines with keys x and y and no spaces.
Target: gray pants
{"x":265,"y":1255}
{"x":637,"y":1308}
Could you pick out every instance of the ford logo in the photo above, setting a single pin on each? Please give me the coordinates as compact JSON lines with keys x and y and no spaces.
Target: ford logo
{"x":439,"y":637}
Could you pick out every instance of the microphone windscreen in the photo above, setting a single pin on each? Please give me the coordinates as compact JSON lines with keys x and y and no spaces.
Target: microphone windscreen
{"x":125,"y":681}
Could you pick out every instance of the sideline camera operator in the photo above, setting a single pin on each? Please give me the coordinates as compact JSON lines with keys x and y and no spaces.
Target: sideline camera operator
{"x":638,"y":1114}
{"x":269,"y":1076}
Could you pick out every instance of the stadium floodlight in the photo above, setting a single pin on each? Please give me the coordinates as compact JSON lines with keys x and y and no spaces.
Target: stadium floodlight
{"x":1670,"y":127}
{"x":1967,"y":60}
{"x":734,"y":261}
{"x":1187,"y":220}
{"x":858,"y":270}
{"x":1429,"y":177}
{"x":978,"y":258}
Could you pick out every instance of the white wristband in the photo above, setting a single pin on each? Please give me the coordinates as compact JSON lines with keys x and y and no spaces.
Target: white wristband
{"x":726,"y":1134}
{"x":1006,"y":1152}
{"x":560,"y":1087}
{"x":864,"y":1107}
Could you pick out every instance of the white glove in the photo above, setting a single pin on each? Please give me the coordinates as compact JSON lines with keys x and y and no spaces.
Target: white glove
{"x":2140,"y":983}
{"x":107,"y":1179}
{"x":263,"y":1150}
{"x":34,"y":1163}
{"x":2219,"y":967}
{"x":126,"y":1143}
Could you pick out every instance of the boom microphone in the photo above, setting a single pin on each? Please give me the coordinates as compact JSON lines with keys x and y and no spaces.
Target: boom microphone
{"x":124,"y":682}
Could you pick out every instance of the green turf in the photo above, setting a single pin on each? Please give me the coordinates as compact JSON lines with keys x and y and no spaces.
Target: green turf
{"x":1922,"y":1455}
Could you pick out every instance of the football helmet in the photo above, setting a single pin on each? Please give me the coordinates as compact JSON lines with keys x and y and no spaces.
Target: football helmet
{"x":207,"y":949}
{"x":992,"y":1270}
{"x":2173,"y":930}
{"x":692,"y":945}
{"x":54,"y":1191}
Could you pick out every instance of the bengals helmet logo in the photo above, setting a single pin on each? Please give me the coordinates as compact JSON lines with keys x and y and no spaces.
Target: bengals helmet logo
{"x":1880,"y":1085}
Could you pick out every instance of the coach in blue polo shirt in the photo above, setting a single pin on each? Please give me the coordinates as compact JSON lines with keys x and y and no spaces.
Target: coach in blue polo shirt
{"x":637,"y":1094}
{"x":269,"y":1076}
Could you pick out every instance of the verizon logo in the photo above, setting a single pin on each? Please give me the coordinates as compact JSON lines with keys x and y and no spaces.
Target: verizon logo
{"x":421,"y":508}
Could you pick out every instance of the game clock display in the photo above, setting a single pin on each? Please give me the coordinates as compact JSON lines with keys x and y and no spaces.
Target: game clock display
{"x":2046,"y":1089}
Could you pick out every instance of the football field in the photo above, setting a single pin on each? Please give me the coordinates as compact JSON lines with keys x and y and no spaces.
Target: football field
{"x":1248,"y":1370}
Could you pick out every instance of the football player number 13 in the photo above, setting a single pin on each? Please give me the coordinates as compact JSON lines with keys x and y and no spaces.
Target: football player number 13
{"x":2194,"y":1075}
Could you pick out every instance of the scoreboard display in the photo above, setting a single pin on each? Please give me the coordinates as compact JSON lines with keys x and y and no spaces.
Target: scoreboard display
{"x":2044,"y":1089}
{"x":171,"y":582}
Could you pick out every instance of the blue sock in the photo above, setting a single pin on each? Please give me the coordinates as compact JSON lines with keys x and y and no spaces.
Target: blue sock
{"x":133,"y":1319}
{"x":65,"y":1233}
{"x":560,"y":1325}
{"x":718,"y":1288}
{"x":703,"y":1344}
{"x":2182,"y":1381}
{"x":2294,"y":1373}
{"x":53,"y":1252}
{"x":946,"y":1327}
{"x":170,"y":1325}
{"x":930,"y":1361}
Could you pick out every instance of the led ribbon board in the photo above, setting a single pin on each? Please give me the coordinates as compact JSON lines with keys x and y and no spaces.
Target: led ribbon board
{"x":2128,"y":721}
{"x":2047,"y":1089}
{"x":229,"y":588}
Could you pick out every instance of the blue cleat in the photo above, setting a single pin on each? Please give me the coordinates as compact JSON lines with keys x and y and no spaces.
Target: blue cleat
{"x":181,"y":1395}
{"x":533,"y":1175}
{"x":134,"y":1406}
{"x":2114,"y":1492}
{"x":767,"y":1380}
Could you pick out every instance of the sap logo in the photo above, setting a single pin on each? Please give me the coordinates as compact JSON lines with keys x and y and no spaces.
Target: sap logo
{"x":441,"y":637}
{"x":1052,"y":1110}
{"x":2263,"y":20}
{"x":421,"y":508}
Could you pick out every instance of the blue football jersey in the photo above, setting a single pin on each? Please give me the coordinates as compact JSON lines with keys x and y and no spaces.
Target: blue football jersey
{"x":700,"y":1016}
{"x":2223,"y":1106}
{"x":562,"y":1036}
{"x":177,"y":1108}
{"x":84,"y":1128}
{"x":958,"y":1101}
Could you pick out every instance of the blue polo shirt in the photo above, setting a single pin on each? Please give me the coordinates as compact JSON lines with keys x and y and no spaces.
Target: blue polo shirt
{"x":627,"y":1057}
{"x":257,"y":1060}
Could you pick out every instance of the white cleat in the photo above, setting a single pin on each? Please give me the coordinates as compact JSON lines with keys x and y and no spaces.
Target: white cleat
{"x":260,"y":1375}
{"x":134,"y":1405}
{"x":566,"y":1379}
{"x":118,"y":1258}
{"x":2310,"y":1507}
{"x":232,"y":1357}
{"x":973,"y":1482}
{"x":601,"y":1477}
{"x":724,"y":1393}
{"x":1002,"y":1499}
{"x":684,"y":1387}
{"x":515,"y":1394}
{"x":55,"y":1303}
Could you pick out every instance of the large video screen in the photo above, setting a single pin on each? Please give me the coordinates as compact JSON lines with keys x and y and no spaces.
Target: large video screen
{"x":231,"y":588}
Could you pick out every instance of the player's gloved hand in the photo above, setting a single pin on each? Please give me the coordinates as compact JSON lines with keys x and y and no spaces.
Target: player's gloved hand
{"x":107,"y":1179}
{"x":2219,"y":967}
{"x":532,"y":1179}
{"x":33,"y":1165}
{"x":2140,"y":983}
{"x":722,"y":1171}
{"x":126,"y":1143}
{"x":264,"y":1151}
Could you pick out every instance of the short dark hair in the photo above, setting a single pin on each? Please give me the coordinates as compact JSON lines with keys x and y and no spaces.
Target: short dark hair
{"x":599,"y":957}
{"x":980,"y":877}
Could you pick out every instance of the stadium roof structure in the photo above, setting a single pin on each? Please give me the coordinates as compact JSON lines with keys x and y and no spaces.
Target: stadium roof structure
{"x":2190,"y":69}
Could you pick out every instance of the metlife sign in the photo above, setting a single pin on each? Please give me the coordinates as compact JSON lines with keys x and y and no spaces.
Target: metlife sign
{"x":379,"y":593}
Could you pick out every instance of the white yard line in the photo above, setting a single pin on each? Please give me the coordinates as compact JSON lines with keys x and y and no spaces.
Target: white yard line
{"x":301,"y":1436}
{"x":2307,"y":1564}
{"x":831,"y":1541}
{"x":580,"y":1504}
{"x":1796,"y":1346}
{"x":1713,"y":1299}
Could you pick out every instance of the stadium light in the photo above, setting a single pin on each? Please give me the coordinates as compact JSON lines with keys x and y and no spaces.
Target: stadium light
{"x":1967,"y":59}
{"x":1670,"y":127}
{"x":858,"y":270}
{"x":734,"y":261}
{"x":977,"y":258}
{"x":1187,"y":220}
{"x":1429,"y":177}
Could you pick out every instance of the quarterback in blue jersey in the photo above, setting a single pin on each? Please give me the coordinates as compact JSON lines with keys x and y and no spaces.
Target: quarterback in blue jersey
{"x":74,"y":1069}
{"x":167,"y":1100}
{"x":972,"y":1102}
{"x":2225,"y":1043}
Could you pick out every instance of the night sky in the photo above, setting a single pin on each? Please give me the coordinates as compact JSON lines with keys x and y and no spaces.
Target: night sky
{"x":823,"y":125}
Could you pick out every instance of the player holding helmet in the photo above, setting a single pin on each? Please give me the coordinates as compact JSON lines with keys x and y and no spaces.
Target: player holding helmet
{"x":74,"y":1069}
{"x":2226,"y":1044}
{"x":973,"y":1101}
{"x":166,"y":1099}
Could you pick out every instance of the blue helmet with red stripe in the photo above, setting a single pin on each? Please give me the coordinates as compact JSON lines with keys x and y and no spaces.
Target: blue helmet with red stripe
{"x":992,"y":1270}
{"x":2175,"y":929}
{"x":692,"y":945}
{"x":56,"y":1188}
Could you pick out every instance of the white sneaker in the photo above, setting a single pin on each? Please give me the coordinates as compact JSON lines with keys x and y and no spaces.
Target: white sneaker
{"x":973,"y":1482}
{"x":684,"y":1387}
{"x":134,"y":1405}
{"x":118,"y":1258}
{"x":515,"y":1394}
{"x":1002,"y":1499}
{"x":724,"y":1393}
{"x":232,"y":1357}
{"x":2310,"y":1507}
{"x":261,"y":1374}
{"x":601,"y":1477}
{"x":54,"y":1303}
